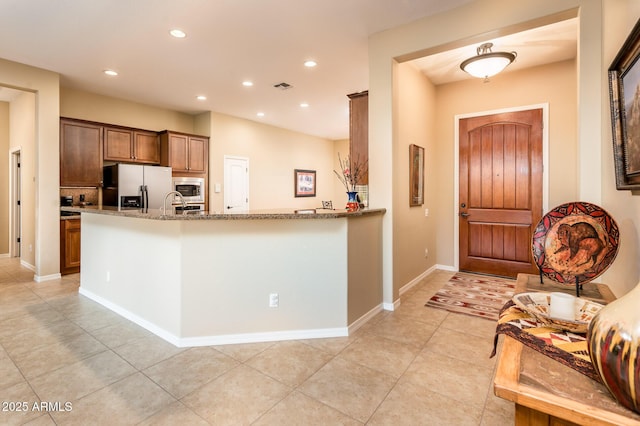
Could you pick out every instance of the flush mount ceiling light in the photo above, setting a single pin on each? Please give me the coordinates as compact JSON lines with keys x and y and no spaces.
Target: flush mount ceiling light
{"x":487,"y":63}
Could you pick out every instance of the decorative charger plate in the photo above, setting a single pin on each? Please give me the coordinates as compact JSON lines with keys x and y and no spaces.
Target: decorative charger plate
{"x":537,"y":304}
{"x":575,"y":241}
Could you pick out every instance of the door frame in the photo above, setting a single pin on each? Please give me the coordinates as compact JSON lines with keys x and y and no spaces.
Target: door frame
{"x":456,"y":177}
{"x":15,"y":212}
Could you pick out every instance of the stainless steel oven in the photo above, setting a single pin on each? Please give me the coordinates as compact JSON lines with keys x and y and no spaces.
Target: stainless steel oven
{"x":192,"y":189}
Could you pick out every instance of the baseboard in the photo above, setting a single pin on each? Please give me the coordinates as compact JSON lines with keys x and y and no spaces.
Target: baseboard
{"x":5,"y":255}
{"x":27,"y":265}
{"x":447,"y":268}
{"x":391,"y":306}
{"x":416,"y":280}
{"x":41,"y":278}
{"x":226,"y":339}
{"x":363,"y":319}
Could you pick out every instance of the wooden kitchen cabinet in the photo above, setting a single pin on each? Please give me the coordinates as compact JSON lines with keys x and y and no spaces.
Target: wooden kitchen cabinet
{"x":184,"y":153}
{"x":359,"y":131}
{"x":131,"y":146}
{"x":80,"y":153}
{"x":69,"y":246}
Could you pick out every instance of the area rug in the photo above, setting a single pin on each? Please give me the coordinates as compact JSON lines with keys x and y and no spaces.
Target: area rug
{"x":477,"y":295}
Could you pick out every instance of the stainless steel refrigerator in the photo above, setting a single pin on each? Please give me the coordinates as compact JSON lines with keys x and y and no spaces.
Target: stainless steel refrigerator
{"x":136,"y":186}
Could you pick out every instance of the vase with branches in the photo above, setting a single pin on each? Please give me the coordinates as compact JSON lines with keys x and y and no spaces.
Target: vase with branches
{"x":351,"y":172}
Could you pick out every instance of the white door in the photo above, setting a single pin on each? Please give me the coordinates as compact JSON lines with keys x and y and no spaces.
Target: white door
{"x":236,"y":183}
{"x":15,"y":213}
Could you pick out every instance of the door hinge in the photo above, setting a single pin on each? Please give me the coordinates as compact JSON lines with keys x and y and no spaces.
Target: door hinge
{"x":18,"y":239}
{"x":18,"y":202}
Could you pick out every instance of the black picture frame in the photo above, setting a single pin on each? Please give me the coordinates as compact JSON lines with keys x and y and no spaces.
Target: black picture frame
{"x":304,"y":183}
{"x":624,"y":96}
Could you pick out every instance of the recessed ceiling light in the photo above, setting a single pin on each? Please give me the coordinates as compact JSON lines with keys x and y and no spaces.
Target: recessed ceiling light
{"x":260,"y":114}
{"x":304,"y":105}
{"x":247,"y":83}
{"x":111,"y":72}
{"x":178,"y":33}
{"x":201,"y":97}
{"x":310,"y":63}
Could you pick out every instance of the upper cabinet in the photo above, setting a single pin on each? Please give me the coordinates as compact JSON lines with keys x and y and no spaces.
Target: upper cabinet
{"x":130,"y":145}
{"x":359,"y":131}
{"x":184,"y":153}
{"x":80,"y":154}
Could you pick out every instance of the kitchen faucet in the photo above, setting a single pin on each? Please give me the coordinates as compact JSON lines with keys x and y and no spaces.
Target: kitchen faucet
{"x":164,"y":204}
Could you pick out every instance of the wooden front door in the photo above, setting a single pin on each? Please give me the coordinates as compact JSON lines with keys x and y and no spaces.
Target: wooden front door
{"x":500,"y":191}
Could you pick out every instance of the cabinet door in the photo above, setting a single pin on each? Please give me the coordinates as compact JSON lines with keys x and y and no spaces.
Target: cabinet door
{"x":80,"y":154}
{"x":359,"y":131}
{"x":118,"y":144}
{"x":178,"y":146}
{"x":146,"y":147}
{"x":198,"y":155}
{"x":69,"y":246}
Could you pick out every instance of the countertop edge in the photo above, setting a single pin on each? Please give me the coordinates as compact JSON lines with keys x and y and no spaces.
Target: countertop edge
{"x":155,"y":214}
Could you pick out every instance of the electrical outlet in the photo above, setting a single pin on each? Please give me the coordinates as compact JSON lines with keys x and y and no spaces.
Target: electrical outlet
{"x":426,"y":253}
{"x":426,"y":212}
{"x":274,"y":300}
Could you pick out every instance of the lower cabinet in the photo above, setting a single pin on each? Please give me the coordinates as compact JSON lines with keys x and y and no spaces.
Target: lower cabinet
{"x":69,"y":246}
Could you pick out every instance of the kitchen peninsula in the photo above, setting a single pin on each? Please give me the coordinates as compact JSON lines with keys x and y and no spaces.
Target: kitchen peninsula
{"x":214,"y":278}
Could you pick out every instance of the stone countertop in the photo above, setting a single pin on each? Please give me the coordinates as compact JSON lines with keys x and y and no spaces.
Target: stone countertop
{"x":156,"y":214}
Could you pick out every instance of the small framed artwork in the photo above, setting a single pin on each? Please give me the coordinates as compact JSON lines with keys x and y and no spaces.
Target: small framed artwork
{"x":624,"y":96}
{"x":305,"y":183}
{"x":416,"y":175}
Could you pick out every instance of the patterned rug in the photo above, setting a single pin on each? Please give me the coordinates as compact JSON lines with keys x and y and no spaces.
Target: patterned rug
{"x":478,"y":295}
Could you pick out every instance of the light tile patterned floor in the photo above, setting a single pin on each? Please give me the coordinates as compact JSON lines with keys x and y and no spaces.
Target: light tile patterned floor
{"x":414,"y":366}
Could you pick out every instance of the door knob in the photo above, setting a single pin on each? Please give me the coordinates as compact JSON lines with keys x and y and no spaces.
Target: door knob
{"x":465,"y":215}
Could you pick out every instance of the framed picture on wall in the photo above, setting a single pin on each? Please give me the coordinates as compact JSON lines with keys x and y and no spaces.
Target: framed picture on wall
{"x":624,"y":96}
{"x":305,"y":183}
{"x":416,"y":175}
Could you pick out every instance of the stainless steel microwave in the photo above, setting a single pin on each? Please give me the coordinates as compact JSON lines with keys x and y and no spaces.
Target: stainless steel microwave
{"x":192,"y":189}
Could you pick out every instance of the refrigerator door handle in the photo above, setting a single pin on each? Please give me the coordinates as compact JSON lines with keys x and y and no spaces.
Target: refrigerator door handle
{"x":145,"y":196}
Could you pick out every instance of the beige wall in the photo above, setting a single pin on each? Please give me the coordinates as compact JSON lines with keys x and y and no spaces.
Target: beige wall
{"x":619,"y":18}
{"x":46,"y":87}
{"x":458,"y":27}
{"x":414,"y":123}
{"x":273,"y":155}
{"x":4,"y":178}
{"x":554,"y":84}
{"x":104,"y":109}
{"x":22,"y":125}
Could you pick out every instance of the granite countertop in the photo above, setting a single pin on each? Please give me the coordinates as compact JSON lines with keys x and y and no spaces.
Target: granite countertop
{"x":156,"y":214}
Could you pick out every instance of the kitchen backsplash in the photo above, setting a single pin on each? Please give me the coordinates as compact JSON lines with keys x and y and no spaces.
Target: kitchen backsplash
{"x":91,"y":196}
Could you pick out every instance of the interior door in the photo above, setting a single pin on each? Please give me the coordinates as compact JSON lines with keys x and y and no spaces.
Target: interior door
{"x":500,"y":191}
{"x":236,"y":184}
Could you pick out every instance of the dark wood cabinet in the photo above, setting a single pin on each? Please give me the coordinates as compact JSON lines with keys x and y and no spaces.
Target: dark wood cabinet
{"x":80,"y":154}
{"x":184,"y":153}
{"x":359,"y":131}
{"x":69,"y":246}
{"x":131,"y":146}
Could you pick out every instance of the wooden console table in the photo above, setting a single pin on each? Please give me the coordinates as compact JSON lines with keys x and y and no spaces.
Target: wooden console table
{"x":549,"y":393}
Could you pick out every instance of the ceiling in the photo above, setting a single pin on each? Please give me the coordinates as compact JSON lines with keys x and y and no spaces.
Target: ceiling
{"x":230,"y":41}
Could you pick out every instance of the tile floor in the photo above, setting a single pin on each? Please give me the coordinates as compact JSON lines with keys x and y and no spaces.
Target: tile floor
{"x":414,"y":366}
